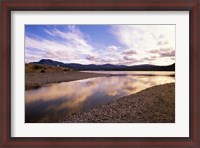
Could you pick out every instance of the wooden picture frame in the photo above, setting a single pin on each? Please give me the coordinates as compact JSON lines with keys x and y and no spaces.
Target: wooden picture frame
{"x":7,"y":6}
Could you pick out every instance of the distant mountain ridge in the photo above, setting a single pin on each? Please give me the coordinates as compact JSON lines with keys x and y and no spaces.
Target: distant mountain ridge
{"x":76,"y":66}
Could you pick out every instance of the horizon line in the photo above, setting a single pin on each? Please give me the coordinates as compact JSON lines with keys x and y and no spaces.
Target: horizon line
{"x":98,"y":64}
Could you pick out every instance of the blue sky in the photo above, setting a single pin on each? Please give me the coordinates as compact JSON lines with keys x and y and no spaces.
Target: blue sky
{"x":101,"y":44}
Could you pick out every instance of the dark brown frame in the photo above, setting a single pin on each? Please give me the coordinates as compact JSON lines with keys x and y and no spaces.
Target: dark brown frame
{"x":193,"y":141}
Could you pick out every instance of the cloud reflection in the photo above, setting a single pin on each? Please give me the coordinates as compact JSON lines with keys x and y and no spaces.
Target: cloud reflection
{"x":69,"y":97}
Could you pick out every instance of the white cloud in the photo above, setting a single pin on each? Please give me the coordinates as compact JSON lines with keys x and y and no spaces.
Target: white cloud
{"x":73,"y":46}
{"x":113,"y":48}
{"x":129,"y":52}
{"x":146,"y":38}
{"x":141,"y":44}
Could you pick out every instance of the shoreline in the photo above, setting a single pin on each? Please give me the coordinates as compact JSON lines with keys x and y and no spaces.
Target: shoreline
{"x":35,"y":80}
{"x":152,"y":105}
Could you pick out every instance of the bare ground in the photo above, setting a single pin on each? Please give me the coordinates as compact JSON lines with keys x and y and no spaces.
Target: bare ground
{"x":152,"y":105}
{"x":36,"y":79}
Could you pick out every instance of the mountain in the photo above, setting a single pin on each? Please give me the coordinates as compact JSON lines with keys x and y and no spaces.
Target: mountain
{"x":50,"y":62}
{"x":76,"y":66}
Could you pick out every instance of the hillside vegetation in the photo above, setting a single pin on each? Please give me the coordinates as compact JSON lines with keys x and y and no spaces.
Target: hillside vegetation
{"x":42,"y":68}
{"x":37,"y":75}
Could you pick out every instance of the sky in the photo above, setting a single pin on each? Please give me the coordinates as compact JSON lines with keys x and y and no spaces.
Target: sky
{"x":101,"y":44}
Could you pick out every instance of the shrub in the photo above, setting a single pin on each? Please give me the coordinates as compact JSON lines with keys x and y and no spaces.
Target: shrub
{"x":37,"y":67}
{"x":42,"y":71}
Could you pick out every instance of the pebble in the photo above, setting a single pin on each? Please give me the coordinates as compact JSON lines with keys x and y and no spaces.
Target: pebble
{"x":152,"y":105}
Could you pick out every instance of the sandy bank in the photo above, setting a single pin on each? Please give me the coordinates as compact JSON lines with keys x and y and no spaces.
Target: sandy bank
{"x":152,"y":105}
{"x":36,"y":79}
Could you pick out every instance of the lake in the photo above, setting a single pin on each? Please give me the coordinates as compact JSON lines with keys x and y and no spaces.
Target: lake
{"x":52,"y":102}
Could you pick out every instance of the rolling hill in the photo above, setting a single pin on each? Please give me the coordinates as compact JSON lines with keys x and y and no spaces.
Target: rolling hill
{"x":76,"y":66}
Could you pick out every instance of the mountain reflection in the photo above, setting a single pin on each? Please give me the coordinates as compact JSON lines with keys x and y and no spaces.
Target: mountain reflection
{"x":52,"y":102}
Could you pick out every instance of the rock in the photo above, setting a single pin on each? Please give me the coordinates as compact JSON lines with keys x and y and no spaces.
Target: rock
{"x":142,"y":107}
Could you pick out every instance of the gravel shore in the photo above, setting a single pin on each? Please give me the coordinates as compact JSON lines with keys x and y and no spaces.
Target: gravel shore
{"x":36,"y":79}
{"x":152,"y":105}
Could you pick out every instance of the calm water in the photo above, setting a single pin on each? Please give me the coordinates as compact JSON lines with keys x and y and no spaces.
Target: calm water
{"x":52,"y":102}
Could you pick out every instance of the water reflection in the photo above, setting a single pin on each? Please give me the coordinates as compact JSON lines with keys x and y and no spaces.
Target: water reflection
{"x":52,"y":102}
